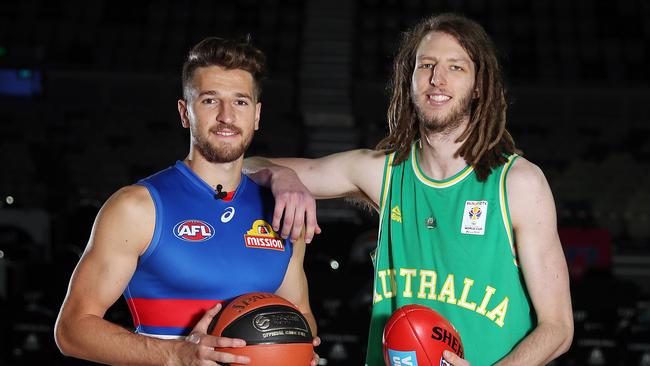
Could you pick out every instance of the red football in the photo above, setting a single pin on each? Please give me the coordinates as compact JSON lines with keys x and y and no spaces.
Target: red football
{"x":418,"y":332}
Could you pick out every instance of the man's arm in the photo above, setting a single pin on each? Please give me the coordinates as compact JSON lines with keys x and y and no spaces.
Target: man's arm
{"x":122,"y":231}
{"x":532,"y":210}
{"x":355,"y":174}
{"x":294,"y":287}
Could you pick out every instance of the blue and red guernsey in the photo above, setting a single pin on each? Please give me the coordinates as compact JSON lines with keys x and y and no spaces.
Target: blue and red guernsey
{"x":203,"y":251}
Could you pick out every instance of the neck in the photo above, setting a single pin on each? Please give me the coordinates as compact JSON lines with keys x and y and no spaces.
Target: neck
{"x":437,"y":153}
{"x":226,"y":174}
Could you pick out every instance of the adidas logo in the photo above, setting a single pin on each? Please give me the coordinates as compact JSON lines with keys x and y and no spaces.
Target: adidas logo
{"x":396,"y":214}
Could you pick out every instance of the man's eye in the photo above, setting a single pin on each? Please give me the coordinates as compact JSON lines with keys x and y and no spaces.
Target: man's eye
{"x":208,"y":101}
{"x":426,"y":66}
{"x":241,"y":102}
{"x":456,"y":68}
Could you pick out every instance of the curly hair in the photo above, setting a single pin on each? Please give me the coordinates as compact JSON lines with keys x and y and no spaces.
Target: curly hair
{"x":486,"y":142}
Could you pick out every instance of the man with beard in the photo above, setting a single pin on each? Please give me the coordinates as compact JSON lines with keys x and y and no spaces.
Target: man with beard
{"x":179,"y":243}
{"x":467,"y":227}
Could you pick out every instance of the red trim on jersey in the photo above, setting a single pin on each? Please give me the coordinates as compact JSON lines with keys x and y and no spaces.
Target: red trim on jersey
{"x":229,"y":195}
{"x":168,"y":312}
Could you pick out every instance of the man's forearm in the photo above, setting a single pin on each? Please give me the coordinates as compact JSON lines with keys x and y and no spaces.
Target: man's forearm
{"x":260,"y":170}
{"x":544,"y":344}
{"x":93,"y":338}
{"x":311,"y":320}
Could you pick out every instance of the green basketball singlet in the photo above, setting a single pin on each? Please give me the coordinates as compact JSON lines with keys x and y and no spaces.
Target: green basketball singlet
{"x":448,"y":245}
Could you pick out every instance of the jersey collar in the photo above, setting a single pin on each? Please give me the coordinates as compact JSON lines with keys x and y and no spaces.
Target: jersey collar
{"x":203,"y":186}
{"x":456,"y":178}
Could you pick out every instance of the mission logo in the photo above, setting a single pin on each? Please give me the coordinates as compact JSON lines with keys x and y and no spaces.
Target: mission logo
{"x":262,"y":236}
{"x":193,"y":230}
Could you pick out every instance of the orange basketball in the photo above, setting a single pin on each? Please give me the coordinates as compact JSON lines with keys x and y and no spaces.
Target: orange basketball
{"x":417,"y":335}
{"x":275,"y":331}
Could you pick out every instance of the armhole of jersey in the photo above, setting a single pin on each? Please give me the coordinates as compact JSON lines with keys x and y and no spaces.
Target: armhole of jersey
{"x":385,"y":187}
{"x":157,"y":230}
{"x":385,"y":184}
{"x":505,"y":211}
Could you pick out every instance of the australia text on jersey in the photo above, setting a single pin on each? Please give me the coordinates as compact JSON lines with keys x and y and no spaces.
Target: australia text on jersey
{"x":427,"y":290}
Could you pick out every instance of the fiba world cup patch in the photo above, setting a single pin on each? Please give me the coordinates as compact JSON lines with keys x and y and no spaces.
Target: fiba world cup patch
{"x":262,"y":236}
{"x":474,"y":216}
{"x":402,"y":358}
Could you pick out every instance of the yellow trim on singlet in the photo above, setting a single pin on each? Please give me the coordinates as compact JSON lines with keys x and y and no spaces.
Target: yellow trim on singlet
{"x":388,"y":170}
{"x":437,"y":184}
{"x":503,"y":200}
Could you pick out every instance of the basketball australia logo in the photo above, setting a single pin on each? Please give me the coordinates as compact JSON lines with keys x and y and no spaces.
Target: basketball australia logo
{"x":193,"y":230}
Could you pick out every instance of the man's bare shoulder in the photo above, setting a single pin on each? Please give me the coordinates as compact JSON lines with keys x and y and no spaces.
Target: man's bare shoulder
{"x":132,"y":200}
{"x":527,"y":187}
{"x":128,"y":216}
{"x":525,"y":175}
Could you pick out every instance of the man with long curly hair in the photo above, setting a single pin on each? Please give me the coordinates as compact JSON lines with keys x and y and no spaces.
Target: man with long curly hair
{"x":467,"y":226}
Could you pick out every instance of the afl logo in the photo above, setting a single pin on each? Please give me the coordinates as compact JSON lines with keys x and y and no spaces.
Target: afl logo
{"x":193,"y":230}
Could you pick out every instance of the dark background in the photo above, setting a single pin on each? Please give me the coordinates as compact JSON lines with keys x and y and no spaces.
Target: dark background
{"x":88,"y":93}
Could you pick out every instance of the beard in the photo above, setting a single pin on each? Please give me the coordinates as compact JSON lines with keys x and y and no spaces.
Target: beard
{"x":435,"y":123}
{"x":221,"y":152}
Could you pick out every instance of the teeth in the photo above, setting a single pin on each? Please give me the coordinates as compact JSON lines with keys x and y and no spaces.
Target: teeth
{"x":440,"y":98}
{"x":225,"y":133}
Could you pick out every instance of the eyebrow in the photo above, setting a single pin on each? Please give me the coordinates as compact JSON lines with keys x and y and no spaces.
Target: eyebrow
{"x":213,"y":92}
{"x":456,"y":60}
{"x":451,"y":59}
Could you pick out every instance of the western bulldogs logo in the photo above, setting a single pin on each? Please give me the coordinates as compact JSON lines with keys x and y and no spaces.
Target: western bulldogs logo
{"x":193,"y":230}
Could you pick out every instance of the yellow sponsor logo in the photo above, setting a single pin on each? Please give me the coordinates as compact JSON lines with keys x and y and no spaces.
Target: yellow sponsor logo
{"x":262,"y":236}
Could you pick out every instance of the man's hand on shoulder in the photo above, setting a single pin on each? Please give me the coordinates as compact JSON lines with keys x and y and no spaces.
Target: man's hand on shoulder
{"x":296,"y":204}
{"x":296,"y":183}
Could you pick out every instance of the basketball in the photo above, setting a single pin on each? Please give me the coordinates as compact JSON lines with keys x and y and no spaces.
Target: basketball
{"x":275,"y":331}
{"x":416,"y":332}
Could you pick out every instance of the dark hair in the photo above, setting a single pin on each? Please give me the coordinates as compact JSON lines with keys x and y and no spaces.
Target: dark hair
{"x":229,"y":54}
{"x":486,"y":140}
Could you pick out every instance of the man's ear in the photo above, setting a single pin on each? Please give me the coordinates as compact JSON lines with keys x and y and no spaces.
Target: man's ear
{"x":182,"y":111}
{"x":258,"y":111}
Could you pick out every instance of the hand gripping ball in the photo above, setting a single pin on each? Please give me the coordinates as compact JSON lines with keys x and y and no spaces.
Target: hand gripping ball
{"x":416,"y":335}
{"x":275,"y":331}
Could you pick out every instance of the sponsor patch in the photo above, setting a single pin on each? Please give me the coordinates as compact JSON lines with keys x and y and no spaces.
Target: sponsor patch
{"x":193,"y":230}
{"x":262,"y":236}
{"x":474,"y":216}
{"x":402,"y":358}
